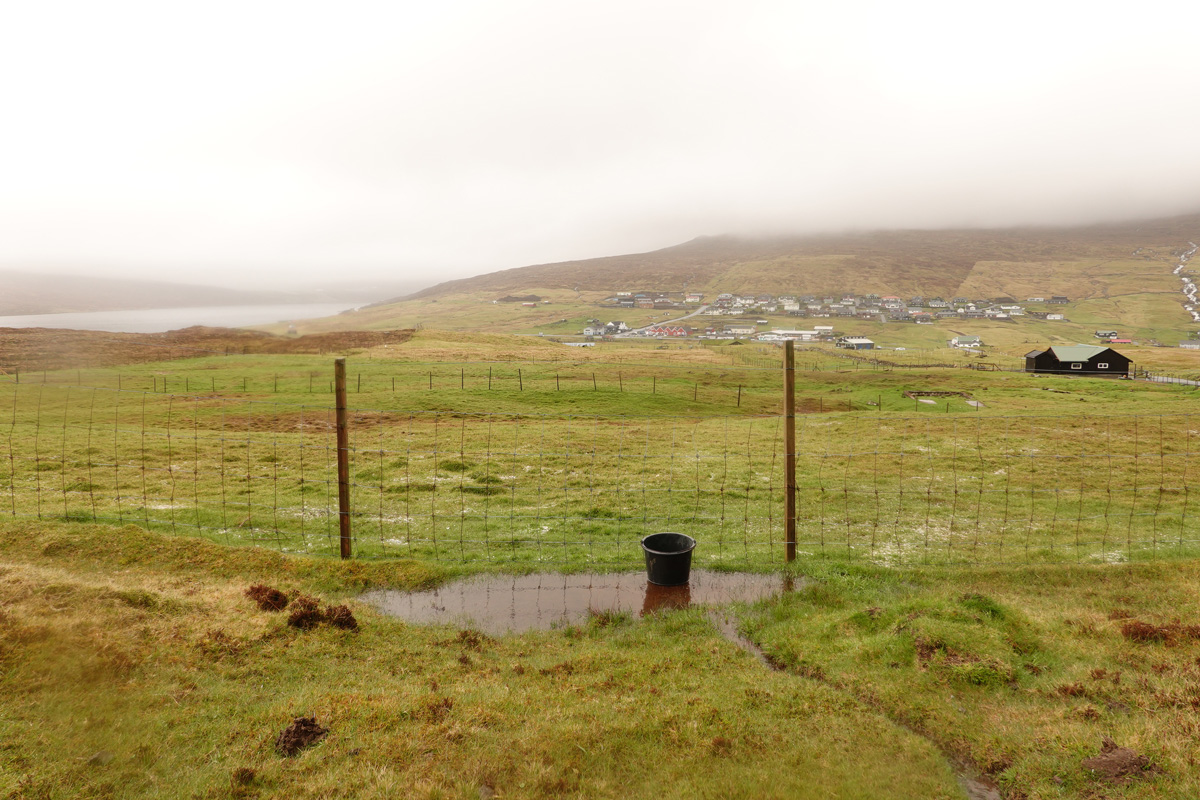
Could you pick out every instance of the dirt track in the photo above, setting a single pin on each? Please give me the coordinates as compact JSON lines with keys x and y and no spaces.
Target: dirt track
{"x":30,"y":349}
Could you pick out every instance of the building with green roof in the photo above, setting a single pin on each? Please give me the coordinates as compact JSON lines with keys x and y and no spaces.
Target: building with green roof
{"x":1080,"y":359}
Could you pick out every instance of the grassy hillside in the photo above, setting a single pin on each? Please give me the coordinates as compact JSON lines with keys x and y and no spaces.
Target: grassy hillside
{"x":1115,"y":274}
{"x":885,"y":262}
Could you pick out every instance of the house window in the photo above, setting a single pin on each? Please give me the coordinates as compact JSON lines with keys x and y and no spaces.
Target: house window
{"x":1102,"y":366}
{"x":1077,"y":366}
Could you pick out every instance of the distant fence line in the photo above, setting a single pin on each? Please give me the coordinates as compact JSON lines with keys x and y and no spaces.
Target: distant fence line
{"x":566,"y":487}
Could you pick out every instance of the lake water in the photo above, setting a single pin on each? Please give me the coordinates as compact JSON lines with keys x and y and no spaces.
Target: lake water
{"x":155,"y":320}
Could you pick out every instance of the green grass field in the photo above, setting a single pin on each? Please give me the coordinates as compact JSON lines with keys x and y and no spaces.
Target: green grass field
{"x":513,"y":459}
{"x":967,"y":576}
{"x":134,"y":666}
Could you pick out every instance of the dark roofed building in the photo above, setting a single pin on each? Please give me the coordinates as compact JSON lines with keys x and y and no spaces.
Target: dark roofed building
{"x":1077,"y":360}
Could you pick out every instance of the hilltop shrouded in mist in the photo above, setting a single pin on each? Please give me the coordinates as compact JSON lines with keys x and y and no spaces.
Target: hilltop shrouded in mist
{"x":980,"y":262}
{"x":275,"y":143}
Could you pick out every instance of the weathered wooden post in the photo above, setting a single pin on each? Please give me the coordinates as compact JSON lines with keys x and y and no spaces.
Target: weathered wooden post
{"x":343,"y":455}
{"x":789,"y":435}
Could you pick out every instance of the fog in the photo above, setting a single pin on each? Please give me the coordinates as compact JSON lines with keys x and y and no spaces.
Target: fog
{"x":255,"y":143}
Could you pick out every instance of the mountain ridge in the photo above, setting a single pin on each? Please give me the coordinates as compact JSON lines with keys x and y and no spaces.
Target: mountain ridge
{"x":913,"y":261}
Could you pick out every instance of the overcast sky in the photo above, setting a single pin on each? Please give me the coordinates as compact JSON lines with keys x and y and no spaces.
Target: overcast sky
{"x":240,"y":143}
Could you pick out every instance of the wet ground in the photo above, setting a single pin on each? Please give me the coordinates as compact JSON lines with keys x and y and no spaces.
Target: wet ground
{"x":499,"y":604}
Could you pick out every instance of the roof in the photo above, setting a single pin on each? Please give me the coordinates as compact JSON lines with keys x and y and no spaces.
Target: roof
{"x":1034,"y":353}
{"x":967,"y":338}
{"x":1078,"y":352}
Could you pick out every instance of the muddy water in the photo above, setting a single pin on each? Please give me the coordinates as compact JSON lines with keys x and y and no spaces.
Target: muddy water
{"x":498,"y":604}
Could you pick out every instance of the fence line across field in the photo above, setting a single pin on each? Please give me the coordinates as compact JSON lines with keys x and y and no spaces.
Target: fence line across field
{"x":574,"y":488}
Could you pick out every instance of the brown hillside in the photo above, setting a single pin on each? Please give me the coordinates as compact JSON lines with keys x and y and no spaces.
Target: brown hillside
{"x":31,"y":349}
{"x":902,"y":262}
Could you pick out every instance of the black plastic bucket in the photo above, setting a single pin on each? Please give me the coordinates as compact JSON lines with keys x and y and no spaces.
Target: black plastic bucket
{"x":668,"y":558}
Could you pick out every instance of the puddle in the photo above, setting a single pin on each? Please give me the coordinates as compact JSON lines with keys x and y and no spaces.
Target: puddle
{"x":499,"y":604}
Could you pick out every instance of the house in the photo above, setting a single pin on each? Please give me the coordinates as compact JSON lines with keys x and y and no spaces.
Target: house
{"x":1190,"y":344}
{"x":1083,"y":359}
{"x":1105,"y":334}
{"x":693,"y":297}
{"x":1120,"y":341}
{"x":966,"y":341}
{"x":1058,"y":299}
{"x":856,"y":343}
{"x":593,"y":330}
{"x":802,"y":336}
{"x":1035,"y":299}
{"x":1055,"y":316}
{"x":740,"y":330}
{"x":645,"y":302}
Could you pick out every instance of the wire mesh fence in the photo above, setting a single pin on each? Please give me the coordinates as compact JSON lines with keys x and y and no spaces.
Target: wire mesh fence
{"x":568,"y":487}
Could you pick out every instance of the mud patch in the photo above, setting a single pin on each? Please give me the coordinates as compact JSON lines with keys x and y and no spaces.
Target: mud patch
{"x":303,"y":732}
{"x":1117,"y":764}
{"x":268,"y":599}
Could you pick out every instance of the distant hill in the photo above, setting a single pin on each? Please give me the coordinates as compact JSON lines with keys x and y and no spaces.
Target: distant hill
{"x":41,"y":293}
{"x":944,"y":262}
{"x":38,"y":293}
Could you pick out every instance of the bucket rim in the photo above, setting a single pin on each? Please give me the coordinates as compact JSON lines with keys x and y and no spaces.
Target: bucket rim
{"x":691,"y":546}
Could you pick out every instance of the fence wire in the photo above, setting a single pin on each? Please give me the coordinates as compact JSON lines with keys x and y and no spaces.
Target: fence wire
{"x":581,"y":489}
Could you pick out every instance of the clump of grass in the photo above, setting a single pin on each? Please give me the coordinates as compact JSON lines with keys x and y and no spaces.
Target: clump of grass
{"x":1138,"y":631}
{"x":486,"y":491}
{"x":306,"y":613}
{"x":267,"y":598}
{"x":341,"y":617}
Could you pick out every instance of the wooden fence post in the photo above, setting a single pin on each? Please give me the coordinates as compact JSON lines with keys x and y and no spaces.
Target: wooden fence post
{"x":789,"y":443}
{"x":343,"y":456}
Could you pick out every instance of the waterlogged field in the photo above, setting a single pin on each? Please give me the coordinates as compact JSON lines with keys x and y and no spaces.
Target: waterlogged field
{"x":506,"y":457}
{"x":135,"y":664}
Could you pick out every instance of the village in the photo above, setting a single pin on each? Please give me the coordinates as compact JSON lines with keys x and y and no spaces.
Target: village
{"x":866,"y":308}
